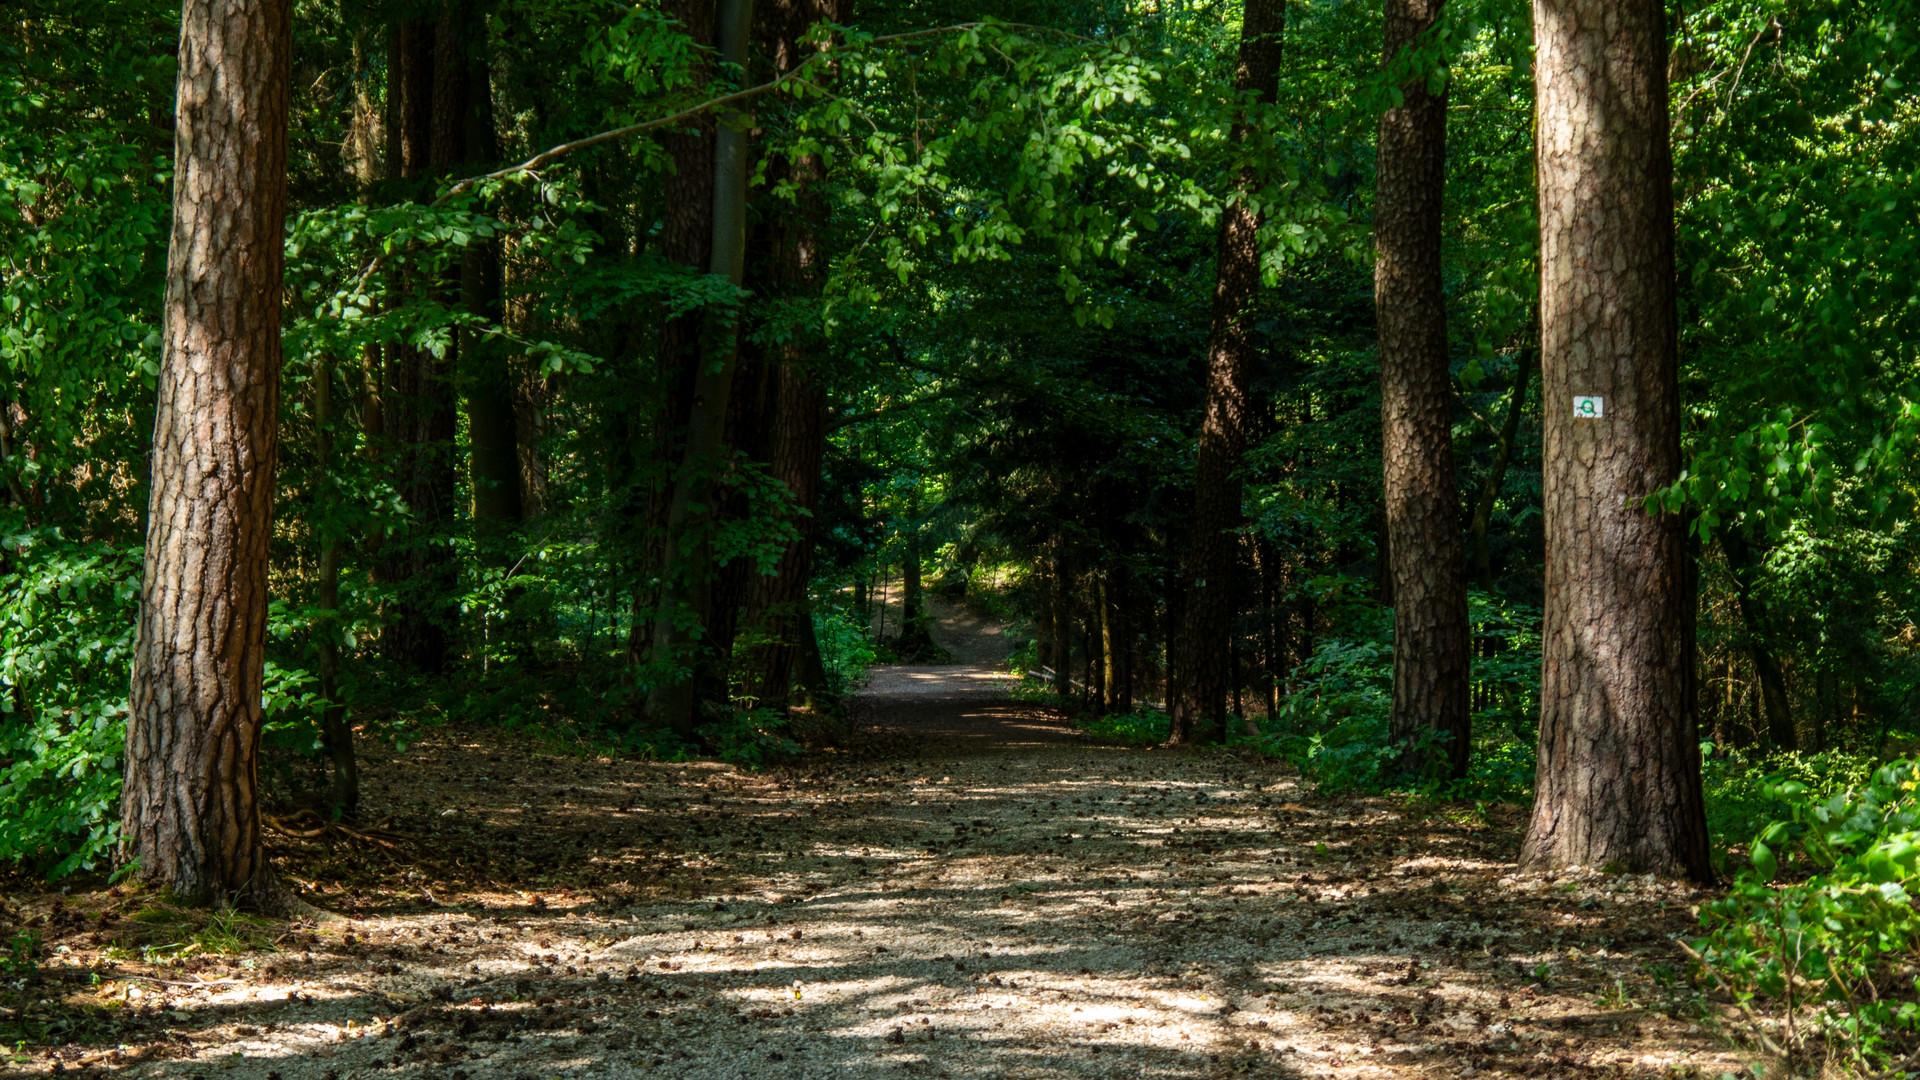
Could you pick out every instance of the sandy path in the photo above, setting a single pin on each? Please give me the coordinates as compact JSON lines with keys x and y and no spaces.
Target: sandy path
{"x":976,"y":891}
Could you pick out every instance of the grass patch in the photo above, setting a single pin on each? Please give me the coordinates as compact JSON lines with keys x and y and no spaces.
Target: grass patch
{"x":165,"y":932}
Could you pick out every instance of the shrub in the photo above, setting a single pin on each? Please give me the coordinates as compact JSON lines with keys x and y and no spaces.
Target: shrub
{"x":67,"y":614}
{"x":1835,"y":950}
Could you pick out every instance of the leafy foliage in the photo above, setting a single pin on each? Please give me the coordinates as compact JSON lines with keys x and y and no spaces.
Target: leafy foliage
{"x":1834,"y":949}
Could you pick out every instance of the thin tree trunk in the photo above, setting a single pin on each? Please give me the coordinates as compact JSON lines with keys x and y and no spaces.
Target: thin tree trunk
{"x":1199,"y":713}
{"x":1432,"y":644}
{"x":1497,"y":472}
{"x":1122,"y":693}
{"x":1619,"y":774}
{"x":1063,"y":625}
{"x":1109,"y":663}
{"x":336,"y":733}
{"x":1043,"y":629}
{"x":190,"y":816}
{"x":1774,"y":702}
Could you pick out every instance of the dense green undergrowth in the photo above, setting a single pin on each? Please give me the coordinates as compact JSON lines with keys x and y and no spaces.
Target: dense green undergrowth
{"x":1817,"y":939}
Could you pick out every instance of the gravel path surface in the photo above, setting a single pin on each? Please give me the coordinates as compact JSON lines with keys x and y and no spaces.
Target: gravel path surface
{"x":976,"y":890}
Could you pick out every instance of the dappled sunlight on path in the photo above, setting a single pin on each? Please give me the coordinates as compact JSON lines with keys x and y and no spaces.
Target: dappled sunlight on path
{"x":974,"y":890}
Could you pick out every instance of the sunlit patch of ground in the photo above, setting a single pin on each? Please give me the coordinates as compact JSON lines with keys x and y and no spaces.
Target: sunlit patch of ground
{"x":975,"y":892}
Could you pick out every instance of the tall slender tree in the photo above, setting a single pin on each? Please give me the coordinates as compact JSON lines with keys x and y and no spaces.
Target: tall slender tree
{"x":190,"y":815}
{"x":417,"y":402}
{"x":1432,"y":645}
{"x":1200,"y":707}
{"x":1619,"y":775}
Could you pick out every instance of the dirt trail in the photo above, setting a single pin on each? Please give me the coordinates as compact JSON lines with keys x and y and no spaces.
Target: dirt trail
{"x":975,"y":891}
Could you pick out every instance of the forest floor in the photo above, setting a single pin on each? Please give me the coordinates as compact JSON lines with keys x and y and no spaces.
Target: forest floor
{"x":970,"y":888}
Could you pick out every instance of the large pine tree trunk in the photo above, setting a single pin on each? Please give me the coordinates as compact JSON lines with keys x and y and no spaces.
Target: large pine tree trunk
{"x":1619,"y":775}
{"x":778,"y":606}
{"x":1432,"y":645}
{"x":779,"y":602}
{"x":189,"y":813}
{"x":686,"y":239}
{"x":1200,"y":709}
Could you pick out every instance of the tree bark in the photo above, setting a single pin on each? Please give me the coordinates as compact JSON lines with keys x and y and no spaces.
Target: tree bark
{"x":1109,"y":659}
{"x":798,"y":436}
{"x":686,"y":589}
{"x":1432,"y":642}
{"x":1200,"y":710}
{"x":190,"y":815}
{"x":780,"y":600}
{"x":686,"y":239}
{"x":1619,"y":774}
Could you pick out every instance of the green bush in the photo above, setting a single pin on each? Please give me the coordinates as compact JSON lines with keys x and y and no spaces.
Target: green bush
{"x":1335,"y":723}
{"x":67,"y":614}
{"x":1835,"y":950}
{"x":1141,"y":727}
{"x":845,"y":650}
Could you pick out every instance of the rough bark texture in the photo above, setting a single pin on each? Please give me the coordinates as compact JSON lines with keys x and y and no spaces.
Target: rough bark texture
{"x":1432,"y":644}
{"x":778,"y":606}
{"x":1619,"y":775}
{"x":189,"y":813}
{"x":779,"y":602}
{"x":1200,"y":709}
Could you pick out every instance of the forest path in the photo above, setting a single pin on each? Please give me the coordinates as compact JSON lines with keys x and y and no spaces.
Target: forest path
{"x":973,"y":890}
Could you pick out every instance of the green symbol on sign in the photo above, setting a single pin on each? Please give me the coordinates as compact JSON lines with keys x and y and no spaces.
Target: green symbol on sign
{"x":1588,"y":408}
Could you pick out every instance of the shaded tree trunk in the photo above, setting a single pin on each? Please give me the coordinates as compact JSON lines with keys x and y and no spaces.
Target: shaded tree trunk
{"x":1497,"y":472}
{"x":418,"y":402}
{"x":1063,"y":625}
{"x":190,"y":816}
{"x":1432,"y":642}
{"x":462,"y":75}
{"x":1619,"y":774}
{"x":779,"y":603}
{"x":1121,"y":693}
{"x":778,"y":606}
{"x":680,"y":620}
{"x":1774,"y":703}
{"x":336,"y":731}
{"x":1199,"y":710}
{"x":686,"y":239}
